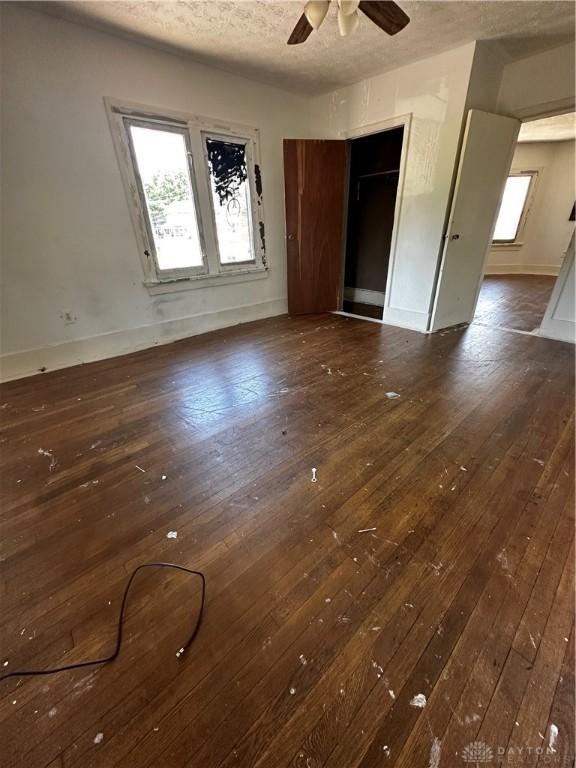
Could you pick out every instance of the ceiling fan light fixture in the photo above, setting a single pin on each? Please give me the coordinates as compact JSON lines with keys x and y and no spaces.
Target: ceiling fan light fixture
{"x":315,"y":11}
{"x":385,"y":14}
{"x":348,"y":6}
{"x":347,"y":23}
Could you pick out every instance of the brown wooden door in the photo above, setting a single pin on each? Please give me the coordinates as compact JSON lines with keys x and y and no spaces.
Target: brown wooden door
{"x":315,"y":183}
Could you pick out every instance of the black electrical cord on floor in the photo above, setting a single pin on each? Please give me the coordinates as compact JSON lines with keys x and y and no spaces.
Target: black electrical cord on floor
{"x":114,"y":655}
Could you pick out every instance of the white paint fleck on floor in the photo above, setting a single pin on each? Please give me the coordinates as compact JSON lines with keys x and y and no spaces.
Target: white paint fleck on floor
{"x":418,"y":701}
{"x":435,"y":753}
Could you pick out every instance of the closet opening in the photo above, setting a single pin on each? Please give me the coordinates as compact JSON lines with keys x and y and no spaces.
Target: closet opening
{"x":374,"y":167}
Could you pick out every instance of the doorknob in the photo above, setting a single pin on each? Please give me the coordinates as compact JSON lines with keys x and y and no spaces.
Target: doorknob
{"x":455,"y":237}
{"x":291,"y":237}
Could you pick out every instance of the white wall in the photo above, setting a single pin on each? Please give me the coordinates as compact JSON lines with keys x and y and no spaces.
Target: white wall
{"x":67,"y":237}
{"x":547,"y":230}
{"x":433,"y":91}
{"x":486,"y":76}
{"x":538,"y":85}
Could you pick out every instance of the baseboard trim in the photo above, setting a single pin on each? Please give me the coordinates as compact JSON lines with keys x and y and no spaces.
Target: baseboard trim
{"x":558,"y":331}
{"x":406,"y":318}
{"x":364,"y":296}
{"x":522,"y":269}
{"x":17,"y":365}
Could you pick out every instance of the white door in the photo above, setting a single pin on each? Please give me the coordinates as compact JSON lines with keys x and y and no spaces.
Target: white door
{"x":485,"y":159}
{"x":560,"y":321}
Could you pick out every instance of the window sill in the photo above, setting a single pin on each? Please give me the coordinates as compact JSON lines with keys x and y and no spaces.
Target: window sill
{"x":205,"y":281}
{"x":516,"y":245}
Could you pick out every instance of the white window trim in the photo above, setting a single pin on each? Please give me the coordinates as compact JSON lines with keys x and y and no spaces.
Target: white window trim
{"x":196,"y":129}
{"x":535,"y":173}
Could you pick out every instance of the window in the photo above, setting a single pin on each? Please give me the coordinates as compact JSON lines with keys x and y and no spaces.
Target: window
{"x":513,"y":207}
{"x":227,"y":163}
{"x":195,"y":194}
{"x":161,"y":160}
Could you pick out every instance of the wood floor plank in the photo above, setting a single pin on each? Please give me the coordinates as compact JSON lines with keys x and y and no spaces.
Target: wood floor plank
{"x":495,"y":643}
{"x":514,"y":301}
{"x":531,"y":718}
{"x":391,"y":730}
{"x":506,"y":593}
{"x":434,"y":544}
{"x":561,"y":714}
{"x":324,"y":505}
{"x":274,"y":749}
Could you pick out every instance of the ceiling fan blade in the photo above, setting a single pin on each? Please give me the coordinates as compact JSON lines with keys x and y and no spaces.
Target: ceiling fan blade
{"x":315,"y":11}
{"x":347,"y":23}
{"x":301,"y":31}
{"x":385,"y":14}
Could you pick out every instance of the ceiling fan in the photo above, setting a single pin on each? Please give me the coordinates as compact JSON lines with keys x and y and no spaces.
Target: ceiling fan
{"x":384,"y":13}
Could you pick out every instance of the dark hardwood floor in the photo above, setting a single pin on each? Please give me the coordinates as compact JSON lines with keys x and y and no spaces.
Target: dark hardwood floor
{"x":514,"y":301}
{"x":432,"y":561}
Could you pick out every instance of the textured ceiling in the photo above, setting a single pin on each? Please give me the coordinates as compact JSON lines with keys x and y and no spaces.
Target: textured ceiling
{"x":559,"y":128}
{"x":249,"y":36}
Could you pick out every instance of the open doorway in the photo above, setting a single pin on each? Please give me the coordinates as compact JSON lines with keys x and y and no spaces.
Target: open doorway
{"x":534,"y":225}
{"x":373,"y":184}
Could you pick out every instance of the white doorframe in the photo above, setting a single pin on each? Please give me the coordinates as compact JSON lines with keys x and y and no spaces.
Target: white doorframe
{"x":401,"y":121}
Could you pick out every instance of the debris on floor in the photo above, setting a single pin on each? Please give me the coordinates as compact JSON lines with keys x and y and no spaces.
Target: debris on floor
{"x":502,"y":558}
{"x":418,"y":701}
{"x":378,"y":668}
{"x":552,"y":736}
{"x":53,"y":462}
{"x":435,"y":753}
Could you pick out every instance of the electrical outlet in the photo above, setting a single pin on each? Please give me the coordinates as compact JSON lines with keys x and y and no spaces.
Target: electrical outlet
{"x":68,"y":316}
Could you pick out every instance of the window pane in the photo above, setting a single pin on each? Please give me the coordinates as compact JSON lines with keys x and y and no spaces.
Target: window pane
{"x":510,"y":213}
{"x":163,"y":166}
{"x":230,"y":199}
